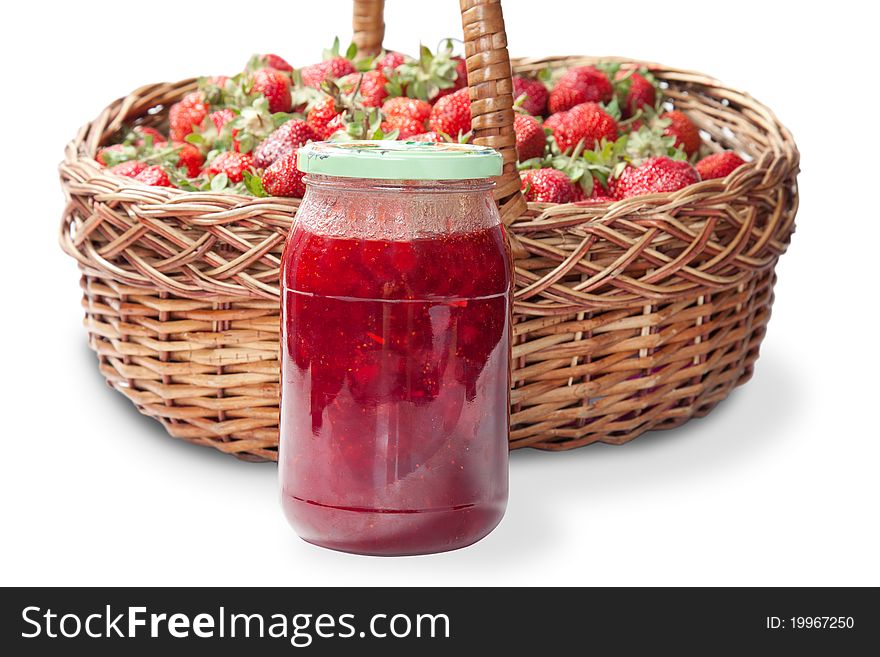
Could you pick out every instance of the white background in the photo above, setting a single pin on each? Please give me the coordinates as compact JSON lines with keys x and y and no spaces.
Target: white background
{"x":778,"y":486}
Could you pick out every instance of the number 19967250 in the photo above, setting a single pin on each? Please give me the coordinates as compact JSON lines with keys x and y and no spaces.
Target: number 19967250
{"x":810,"y":623}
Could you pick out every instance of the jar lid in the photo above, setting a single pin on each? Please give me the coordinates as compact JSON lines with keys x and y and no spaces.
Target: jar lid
{"x":399,"y":160}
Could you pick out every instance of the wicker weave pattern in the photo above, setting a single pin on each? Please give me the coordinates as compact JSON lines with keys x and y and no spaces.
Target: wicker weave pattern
{"x":368,"y":26}
{"x":629,"y":317}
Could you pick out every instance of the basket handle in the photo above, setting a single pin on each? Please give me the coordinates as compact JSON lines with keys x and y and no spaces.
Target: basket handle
{"x":489,"y":82}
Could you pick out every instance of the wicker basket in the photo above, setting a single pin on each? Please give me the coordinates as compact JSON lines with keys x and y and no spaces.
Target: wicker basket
{"x":628,"y":317}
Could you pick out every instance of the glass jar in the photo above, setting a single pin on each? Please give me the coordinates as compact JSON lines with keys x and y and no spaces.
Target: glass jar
{"x":396,"y":302}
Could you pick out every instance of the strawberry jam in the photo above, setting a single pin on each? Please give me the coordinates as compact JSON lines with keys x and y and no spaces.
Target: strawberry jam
{"x":395,"y":356}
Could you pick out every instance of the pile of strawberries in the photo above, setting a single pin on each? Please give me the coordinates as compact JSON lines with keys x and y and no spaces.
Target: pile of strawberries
{"x":608,"y":135}
{"x":588,"y":134}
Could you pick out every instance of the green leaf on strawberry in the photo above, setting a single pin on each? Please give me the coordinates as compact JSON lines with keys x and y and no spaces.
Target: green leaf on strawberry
{"x":254,"y":184}
{"x":219,"y":182}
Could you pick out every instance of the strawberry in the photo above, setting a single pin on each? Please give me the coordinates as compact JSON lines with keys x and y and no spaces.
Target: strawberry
{"x":547,"y":186}
{"x":586,"y":122}
{"x":530,"y":138}
{"x":275,"y":86}
{"x":231,"y":163}
{"x":185,"y":114}
{"x":637,"y":91}
{"x":562,"y":99}
{"x":553,"y":121}
{"x":217,"y":80}
{"x":411,"y":108}
{"x":145,"y":131}
{"x":599,"y":194}
{"x":128,"y":169}
{"x":321,"y":115}
{"x":337,"y":123}
{"x":654,"y":176}
{"x":405,"y":127}
{"x":108,"y":151}
{"x":409,"y":116}
{"x":431,"y":136}
{"x":276,"y":62}
{"x":221,"y":117}
{"x":333,"y":67}
{"x":461,"y":78}
{"x":155,"y":176}
{"x":330,"y":69}
{"x":389,"y":59}
{"x":687,"y":135}
{"x":283,"y":178}
{"x":452,"y":114}
{"x":283,"y":141}
{"x":372,"y":87}
{"x":577,"y":85}
{"x":535,"y":101}
{"x":719,"y":165}
{"x":190,"y":158}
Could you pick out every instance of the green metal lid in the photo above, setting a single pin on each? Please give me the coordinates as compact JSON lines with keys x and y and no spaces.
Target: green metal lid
{"x":399,"y":160}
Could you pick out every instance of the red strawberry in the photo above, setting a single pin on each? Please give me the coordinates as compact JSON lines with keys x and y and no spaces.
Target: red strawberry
{"x":185,"y":114}
{"x":155,"y":176}
{"x":128,"y":169}
{"x":145,"y":131}
{"x":321,"y":115}
{"x":687,"y":135}
{"x":598,"y":195}
{"x":283,"y":178}
{"x":431,"y":136}
{"x":719,"y":165}
{"x":190,"y":158}
{"x":221,"y":117}
{"x":654,"y":176}
{"x":231,"y":163}
{"x":407,"y":115}
{"x":276,"y":62}
{"x":562,"y":99}
{"x":461,"y":78}
{"x":115,"y":148}
{"x":547,"y":186}
{"x":330,"y":69}
{"x":275,"y":86}
{"x":283,"y":141}
{"x":389,"y":59}
{"x":577,"y":85}
{"x":336,"y":124}
{"x":530,"y":138}
{"x":586,"y":122}
{"x":372,"y":87}
{"x":553,"y":121}
{"x":535,"y":102}
{"x":639,"y":92}
{"x":452,"y":114}
{"x":412,"y":108}
{"x":405,"y":127}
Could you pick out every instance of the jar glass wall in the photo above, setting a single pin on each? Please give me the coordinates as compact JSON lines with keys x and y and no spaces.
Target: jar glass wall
{"x":396,"y":299}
